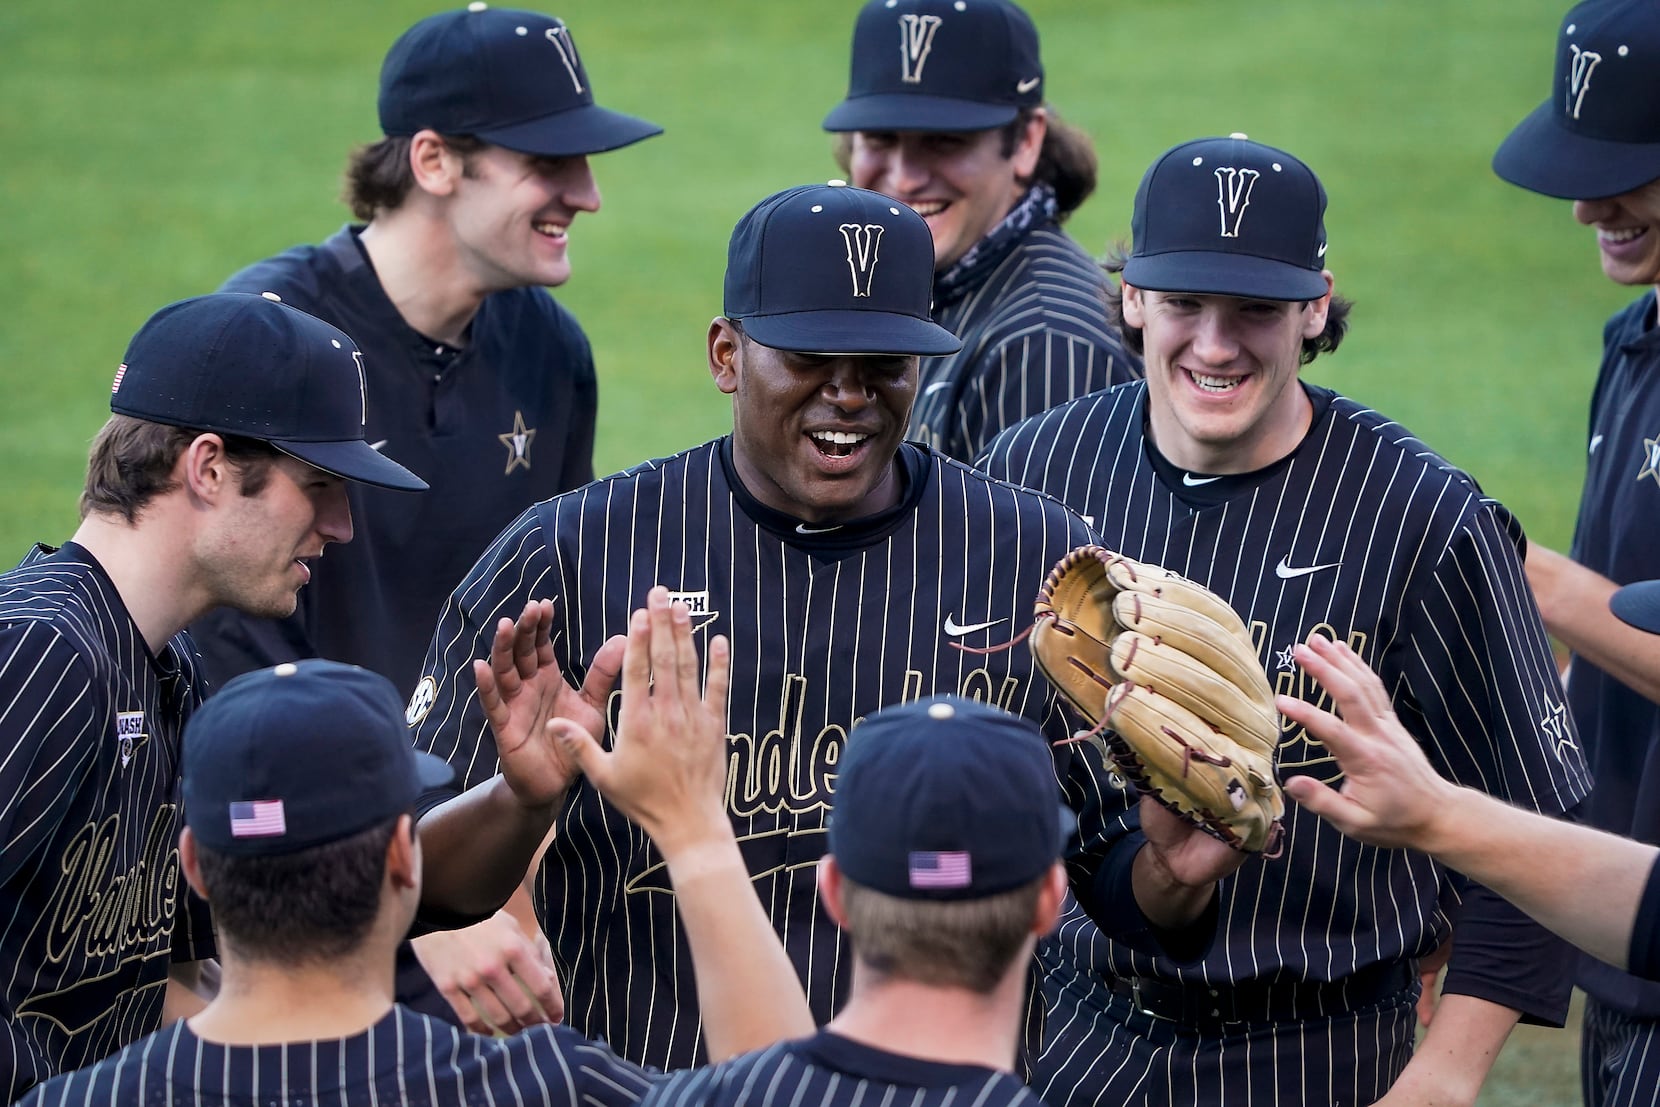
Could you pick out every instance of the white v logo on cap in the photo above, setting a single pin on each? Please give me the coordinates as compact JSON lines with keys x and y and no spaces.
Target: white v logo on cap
{"x":916,"y":39}
{"x":1579,"y":77}
{"x":862,"y":242}
{"x":1233,"y":196}
{"x":561,"y":39}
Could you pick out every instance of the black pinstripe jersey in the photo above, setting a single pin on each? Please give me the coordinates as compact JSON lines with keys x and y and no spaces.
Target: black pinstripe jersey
{"x":405,"y":1059}
{"x":1035,"y":334}
{"x":1365,"y":535}
{"x":826,"y":627}
{"x":92,"y":906}
{"x":828,"y":1070}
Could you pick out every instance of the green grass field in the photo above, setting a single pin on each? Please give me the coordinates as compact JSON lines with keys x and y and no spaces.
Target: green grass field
{"x":154,"y":148}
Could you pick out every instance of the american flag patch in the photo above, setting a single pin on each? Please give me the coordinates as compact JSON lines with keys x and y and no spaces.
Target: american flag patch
{"x":258,"y":819}
{"x":119,"y":373}
{"x":949,"y":869}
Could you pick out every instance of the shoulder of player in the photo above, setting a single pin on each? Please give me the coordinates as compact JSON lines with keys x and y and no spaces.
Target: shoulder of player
{"x":538,"y":1049}
{"x":723,"y":1084}
{"x":1006,"y":497}
{"x":62,"y":607}
{"x":1393,"y":437}
{"x":1087,"y":418}
{"x":116,"y":1079}
{"x":645,"y":481}
{"x":1634,"y":321}
{"x":300,"y":275}
{"x":1049,"y":284}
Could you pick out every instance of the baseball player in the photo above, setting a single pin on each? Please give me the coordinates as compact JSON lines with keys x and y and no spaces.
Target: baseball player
{"x":476,"y":377}
{"x":219,"y":479}
{"x":1392,"y":797}
{"x":944,"y":870}
{"x":954,"y":123}
{"x":298,"y":783}
{"x":1593,"y":143}
{"x":1310,"y":514}
{"x":846,"y":566}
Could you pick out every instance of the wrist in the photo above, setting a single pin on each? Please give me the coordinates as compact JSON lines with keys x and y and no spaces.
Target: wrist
{"x":539,"y":811}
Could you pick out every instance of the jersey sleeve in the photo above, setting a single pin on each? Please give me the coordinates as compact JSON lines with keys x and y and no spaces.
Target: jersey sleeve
{"x":575,"y":1070}
{"x":444,"y":711}
{"x":52,"y":717}
{"x":1645,"y":932}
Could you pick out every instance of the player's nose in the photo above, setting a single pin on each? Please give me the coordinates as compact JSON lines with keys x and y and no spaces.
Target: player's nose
{"x":908,"y":168}
{"x":334,"y":515}
{"x":846,"y":386}
{"x":1589,"y":211}
{"x":579,"y":190}
{"x":1213,"y":338}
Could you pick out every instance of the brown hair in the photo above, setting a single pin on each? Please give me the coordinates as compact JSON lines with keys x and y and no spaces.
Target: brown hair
{"x":131,"y":463}
{"x":944,"y":943}
{"x":1337,"y":315}
{"x":378,"y":177}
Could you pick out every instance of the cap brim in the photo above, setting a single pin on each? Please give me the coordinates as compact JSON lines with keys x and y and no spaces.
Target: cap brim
{"x":433,"y":772}
{"x":902,"y":111}
{"x":850,"y":332}
{"x":355,"y":460}
{"x":1216,"y":274}
{"x":590,"y":129}
{"x":1639,"y":605}
{"x":1542,"y":155}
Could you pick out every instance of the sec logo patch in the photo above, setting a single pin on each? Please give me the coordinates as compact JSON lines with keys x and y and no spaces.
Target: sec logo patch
{"x":426,"y":694}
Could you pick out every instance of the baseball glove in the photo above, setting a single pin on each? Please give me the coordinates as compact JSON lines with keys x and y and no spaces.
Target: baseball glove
{"x":1165,"y":671}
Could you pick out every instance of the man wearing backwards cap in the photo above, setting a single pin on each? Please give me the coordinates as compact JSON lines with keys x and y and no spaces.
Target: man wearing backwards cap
{"x":298,"y":784}
{"x":1310,"y":514}
{"x":944,"y":871}
{"x":218,"y":480}
{"x":953,"y":122}
{"x":845,"y":564}
{"x":476,"y":377}
{"x":1596,"y":141}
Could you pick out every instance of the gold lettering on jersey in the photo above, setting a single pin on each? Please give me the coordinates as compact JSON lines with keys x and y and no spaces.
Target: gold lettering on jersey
{"x":96,"y":913}
{"x":1300,"y":751}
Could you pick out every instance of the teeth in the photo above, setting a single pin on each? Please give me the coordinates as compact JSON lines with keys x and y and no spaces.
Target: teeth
{"x":926,"y":208}
{"x":1213,"y":384}
{"x":554,"y":230}
{"x":1625,"y":235}
{"x":838,"y":438}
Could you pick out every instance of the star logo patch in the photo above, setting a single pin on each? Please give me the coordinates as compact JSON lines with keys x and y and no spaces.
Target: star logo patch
{"x":1651,"y":460}
{"x":1555,"y":724}
{"x":518,"y":442}
{"x":1283,"y":659}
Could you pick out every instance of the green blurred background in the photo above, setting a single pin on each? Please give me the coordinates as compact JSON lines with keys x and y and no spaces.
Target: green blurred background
{"x":153,"y":148}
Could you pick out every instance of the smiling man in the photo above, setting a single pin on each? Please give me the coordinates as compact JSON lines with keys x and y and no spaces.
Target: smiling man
{"x":476,"y":377}
{"x":945,"y":111}
{"x":1596,"y":141}
{"x":846,"y":566}
{"x":1310,"y":514}
{"x":219,"y":478}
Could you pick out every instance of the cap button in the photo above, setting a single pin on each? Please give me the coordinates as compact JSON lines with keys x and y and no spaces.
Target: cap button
{"x":1241,"y":135}
{"x":272,"y":296}
{"x":287,"y":668}
{"x":477,"y":6}
{"x":941,"y":711}
{"x":836,"y":182}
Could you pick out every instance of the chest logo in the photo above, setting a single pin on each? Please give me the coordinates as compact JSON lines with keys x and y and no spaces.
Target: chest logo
{"x":1651,"y":460}
{"x":1285,"y":571}
{"x":957,"y":630}
{"x":698,"y":606}
{"x":916,"y":40}
{"x":1233,"y":196}
{"x":129,"y":734}
{"x":518,"y":442}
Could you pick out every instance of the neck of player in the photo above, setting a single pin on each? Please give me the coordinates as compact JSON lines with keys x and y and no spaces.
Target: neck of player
{"x":946,"y":1025}
{"x":421,"y":273}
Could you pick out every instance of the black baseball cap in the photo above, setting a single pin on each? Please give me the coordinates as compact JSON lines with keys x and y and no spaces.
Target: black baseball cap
{"x":236,"y":363}
{"x":1598,"y":133}
{"x":946,"y":799}
{"x":834,"y":269}
{"x":939,"y":65}
{"x":1639,"y":605}
{"x":509,"y":77}
{"x":300,"y":755}
{"x":1229,"y":217}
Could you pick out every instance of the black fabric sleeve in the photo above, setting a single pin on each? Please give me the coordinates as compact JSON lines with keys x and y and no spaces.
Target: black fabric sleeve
{"x":1644,"y":959}
{"x":1502,"y":956}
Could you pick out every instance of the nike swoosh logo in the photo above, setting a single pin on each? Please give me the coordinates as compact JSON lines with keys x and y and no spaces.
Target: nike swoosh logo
{"x":954,"y":630}
{"x":803,"y":528}
{"x":1193,"y":482}
{"x":1596,"y":440}
{"x":1321,"y":252}
{"x":378,"y":446}
{"x":1023,"y":87}
{"x":935,"y":387}
{"x":1285,"y":572}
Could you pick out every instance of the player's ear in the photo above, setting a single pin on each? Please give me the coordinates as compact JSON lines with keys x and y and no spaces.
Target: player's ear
{"x":725,"y":351}
{"x":830,"y":890}
{"x":190,"y":864}
{"x":204,"y":468}
{"x":1132,"y":307}
{"x":435,"y":166}
{"x":1314,"y":319}
{"x":1025,"y":156}
{"x":403,"y":856}
{"x":1047,"y":915}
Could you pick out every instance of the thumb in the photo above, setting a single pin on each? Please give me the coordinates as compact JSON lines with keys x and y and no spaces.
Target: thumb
{"x":1325,"y":801}
{"x":578,"y":746}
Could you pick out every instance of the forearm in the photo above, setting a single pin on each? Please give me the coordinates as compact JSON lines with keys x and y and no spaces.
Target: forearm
{"x":1547,"y":867}
{"x":746,"y":987}
{"x":477,"y":848}
{"x":1451,"y":1063}
{"x":1573,"y":601}
{"x":1167,"y":902}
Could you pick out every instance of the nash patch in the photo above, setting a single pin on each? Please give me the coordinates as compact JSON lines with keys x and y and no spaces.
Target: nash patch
{"x":129,"y":734}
